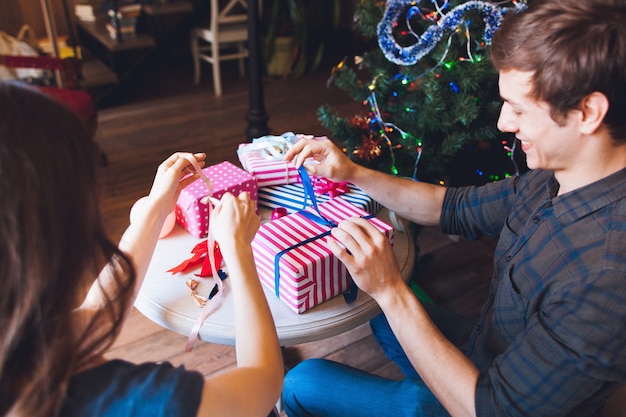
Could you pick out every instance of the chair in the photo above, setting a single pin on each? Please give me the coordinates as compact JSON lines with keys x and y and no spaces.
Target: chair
{"x":68,"y":92}
{"x":228,"y":32}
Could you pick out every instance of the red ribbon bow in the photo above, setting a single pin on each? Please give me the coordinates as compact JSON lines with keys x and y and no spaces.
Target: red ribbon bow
{"x":333,"y":189}
{"x":200,"y":256}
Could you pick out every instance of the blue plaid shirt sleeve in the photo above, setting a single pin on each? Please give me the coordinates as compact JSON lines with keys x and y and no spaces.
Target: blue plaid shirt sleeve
{"x":549,"y":340}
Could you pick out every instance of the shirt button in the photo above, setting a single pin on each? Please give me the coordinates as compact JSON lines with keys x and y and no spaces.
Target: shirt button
{"x":537,"y":219}
{"x":508,"y":258}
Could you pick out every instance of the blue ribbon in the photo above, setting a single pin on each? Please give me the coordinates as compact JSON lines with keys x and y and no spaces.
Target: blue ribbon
{"x":317,"y":217}
{"x":309,"y":194}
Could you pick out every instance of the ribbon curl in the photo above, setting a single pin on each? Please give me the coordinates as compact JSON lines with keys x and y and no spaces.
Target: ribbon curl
{"x":192,"y":284}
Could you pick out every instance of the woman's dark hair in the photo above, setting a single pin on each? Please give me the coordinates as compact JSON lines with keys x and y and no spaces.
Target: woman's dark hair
{"x":52,"y":247}
{"x":573,"y":48}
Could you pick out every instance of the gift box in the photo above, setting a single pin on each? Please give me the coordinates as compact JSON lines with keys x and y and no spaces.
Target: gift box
{"x":264,"y":159}
{"x":192,"y":214}
{"x":293,"y":259}
{"x":291,"y":197}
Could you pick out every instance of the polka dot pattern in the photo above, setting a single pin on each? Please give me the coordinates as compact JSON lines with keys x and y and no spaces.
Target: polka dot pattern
{"x":192,"y":215}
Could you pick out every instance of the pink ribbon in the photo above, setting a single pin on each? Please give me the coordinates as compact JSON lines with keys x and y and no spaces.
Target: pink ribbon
{"x":217,"y":299}
{"x":323,"y":185}
{"x":279,"y":212}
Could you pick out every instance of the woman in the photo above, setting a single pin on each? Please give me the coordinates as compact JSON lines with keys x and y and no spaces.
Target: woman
{"x":66,"y":288}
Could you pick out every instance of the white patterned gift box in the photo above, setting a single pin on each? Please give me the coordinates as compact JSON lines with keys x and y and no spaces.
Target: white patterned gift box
{"x":307,"y":273}
{"x":268,"y":171}
{"x":291,"y":197}
{"x":264,"y":158}
{"x":192,"y":214}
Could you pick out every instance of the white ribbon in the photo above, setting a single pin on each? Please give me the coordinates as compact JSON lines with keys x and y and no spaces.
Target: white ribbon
{"x":211,"y":305}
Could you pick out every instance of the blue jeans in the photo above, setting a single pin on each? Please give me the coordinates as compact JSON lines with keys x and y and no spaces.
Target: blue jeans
{"x":319,"y":387}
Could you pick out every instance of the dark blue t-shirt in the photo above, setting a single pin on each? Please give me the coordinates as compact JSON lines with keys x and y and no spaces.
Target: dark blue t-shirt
{"x":118,"y":388}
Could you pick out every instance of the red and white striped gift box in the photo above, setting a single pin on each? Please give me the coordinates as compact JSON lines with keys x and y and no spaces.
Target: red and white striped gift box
{"x":264,"y":158}
{"x":268,"y":171}
{"x":193,"y":215}
{"x":309,"y":273}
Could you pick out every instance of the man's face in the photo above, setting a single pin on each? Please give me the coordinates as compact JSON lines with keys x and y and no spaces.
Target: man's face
{"x":547,"y":144}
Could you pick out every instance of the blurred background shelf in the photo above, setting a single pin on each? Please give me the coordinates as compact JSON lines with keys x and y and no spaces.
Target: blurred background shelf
{"x":118,"y":56}
{"x":158,"y":28}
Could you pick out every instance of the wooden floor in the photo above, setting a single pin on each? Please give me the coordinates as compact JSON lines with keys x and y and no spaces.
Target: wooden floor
{"x":168,"y":113}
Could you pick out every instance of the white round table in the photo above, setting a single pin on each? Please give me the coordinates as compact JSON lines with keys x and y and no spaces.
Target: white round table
{"x":165,"y":299}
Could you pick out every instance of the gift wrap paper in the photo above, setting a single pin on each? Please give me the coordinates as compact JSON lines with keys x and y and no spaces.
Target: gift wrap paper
{"x":264,"y":158}
{"x":193,"y":215}
{"x":291,"y":197}
{"x":308,"y":274}
{"x":267,"y":171}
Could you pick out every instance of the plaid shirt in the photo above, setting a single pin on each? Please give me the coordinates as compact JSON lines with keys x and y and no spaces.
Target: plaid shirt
{"x":550,"y":339}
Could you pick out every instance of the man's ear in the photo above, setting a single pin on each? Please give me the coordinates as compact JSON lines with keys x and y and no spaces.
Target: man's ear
{"x":593,"y":110}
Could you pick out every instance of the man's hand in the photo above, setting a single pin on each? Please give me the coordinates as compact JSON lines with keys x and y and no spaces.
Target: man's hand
{"x":367,"y":254}
{"x":333,"y":163}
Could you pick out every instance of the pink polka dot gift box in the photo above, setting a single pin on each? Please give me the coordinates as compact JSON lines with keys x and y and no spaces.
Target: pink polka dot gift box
{"x":192,"y":214}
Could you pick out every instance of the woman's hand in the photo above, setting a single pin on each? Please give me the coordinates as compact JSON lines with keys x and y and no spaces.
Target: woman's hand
{"x":140,"y":239}
{"x":234,"y":221}
{"x":174,"y":174}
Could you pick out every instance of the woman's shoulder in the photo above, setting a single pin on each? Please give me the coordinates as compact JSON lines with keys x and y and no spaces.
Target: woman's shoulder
{"x":120,"y":388}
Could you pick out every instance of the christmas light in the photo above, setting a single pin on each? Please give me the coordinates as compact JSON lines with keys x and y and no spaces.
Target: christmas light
{"x":425,"y":99}
{"x":384,"y":126}
{"x":469,"y":40}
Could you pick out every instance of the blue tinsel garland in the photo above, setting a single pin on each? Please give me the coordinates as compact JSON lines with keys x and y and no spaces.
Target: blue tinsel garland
{"x":449,"y":22}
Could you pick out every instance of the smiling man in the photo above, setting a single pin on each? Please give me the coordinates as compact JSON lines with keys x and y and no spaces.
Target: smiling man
{"x":549,"y":341}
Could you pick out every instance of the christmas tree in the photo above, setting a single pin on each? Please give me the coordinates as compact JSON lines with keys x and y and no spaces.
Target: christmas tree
{"x":429,"y":92}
